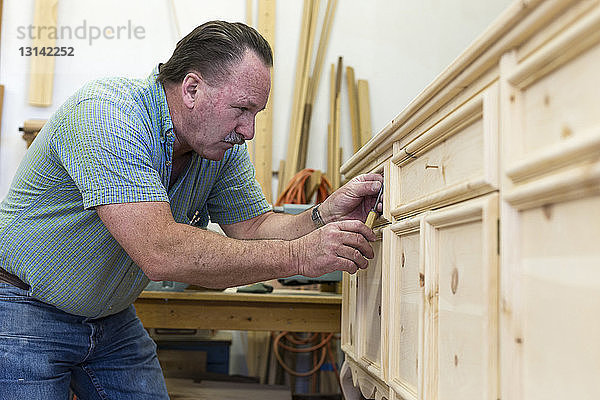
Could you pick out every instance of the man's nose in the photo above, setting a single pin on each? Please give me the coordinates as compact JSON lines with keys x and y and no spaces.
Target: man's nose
{"x":246,"y":129}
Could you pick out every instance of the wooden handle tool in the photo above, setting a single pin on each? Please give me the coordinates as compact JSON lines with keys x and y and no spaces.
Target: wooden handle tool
{"x":373,"y":213}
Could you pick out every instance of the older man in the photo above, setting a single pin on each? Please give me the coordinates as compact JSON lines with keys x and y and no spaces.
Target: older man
{"x":103,"y":200}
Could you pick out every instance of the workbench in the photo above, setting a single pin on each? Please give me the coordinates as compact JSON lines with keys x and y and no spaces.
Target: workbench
{"x":281,"y":310}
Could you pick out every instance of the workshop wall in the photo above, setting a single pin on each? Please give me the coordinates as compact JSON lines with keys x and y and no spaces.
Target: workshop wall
{"x":397,"y":45}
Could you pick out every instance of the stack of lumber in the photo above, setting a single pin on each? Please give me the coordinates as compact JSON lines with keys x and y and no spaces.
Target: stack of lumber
{"x":306,"y":85}
{"x":360,"y":113}
{"x":334,"y":151}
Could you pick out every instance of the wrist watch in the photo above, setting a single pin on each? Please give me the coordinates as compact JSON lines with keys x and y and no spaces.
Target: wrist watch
{"x":316,"y":216}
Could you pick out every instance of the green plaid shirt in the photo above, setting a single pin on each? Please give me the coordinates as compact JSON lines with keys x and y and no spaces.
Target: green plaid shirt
{"x":111,"y":142}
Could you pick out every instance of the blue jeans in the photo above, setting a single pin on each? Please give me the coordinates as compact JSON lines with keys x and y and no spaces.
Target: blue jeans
{"x":44,"y":351}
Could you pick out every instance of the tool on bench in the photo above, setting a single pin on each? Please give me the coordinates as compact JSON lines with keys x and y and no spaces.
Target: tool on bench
{"x":373,"y":213}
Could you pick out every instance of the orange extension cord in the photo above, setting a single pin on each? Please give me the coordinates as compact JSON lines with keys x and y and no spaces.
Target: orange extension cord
{"x":324,"y":344}
{"x":295,"y":193}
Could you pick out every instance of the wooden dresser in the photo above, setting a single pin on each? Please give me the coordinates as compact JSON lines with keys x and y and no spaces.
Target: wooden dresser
{"x":486,"y":282}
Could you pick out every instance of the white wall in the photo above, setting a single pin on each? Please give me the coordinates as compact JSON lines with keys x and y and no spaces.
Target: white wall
{"x":399,"y":46}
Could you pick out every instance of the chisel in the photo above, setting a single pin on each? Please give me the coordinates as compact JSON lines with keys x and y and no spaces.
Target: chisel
{"x":373,"y":213}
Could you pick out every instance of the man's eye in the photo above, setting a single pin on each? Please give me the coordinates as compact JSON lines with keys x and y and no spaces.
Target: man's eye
{"x":243,"y":109}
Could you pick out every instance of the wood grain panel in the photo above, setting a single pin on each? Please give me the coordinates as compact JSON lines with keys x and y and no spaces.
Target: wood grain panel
{"x":461,"y":276}
{"x":406,"y":320}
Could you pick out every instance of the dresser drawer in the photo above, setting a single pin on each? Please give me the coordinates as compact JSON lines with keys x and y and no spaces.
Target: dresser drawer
{"x":348,"y":342}
{"x":406,"y":287}
{"x":456,"y":159}
{"x":369,"y":309}
{"x":550,"y":280}
{"x":551,"y":101}
{"x":460,"y":354}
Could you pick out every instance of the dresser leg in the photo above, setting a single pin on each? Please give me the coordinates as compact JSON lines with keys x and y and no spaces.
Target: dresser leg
{"x":350,"y":391}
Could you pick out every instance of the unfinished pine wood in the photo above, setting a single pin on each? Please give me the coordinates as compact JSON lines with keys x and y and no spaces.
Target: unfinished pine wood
{"x":41,"y":80}
{"x":560,"y":289}
{"x":353,"y":107}
{"x":331,"y":172}
{"x":314,"y":79}
{"x":348,"y":311}
{"x":348,"y":343}
{"x":554,"y":105}
{"x":370,"y":386}
{"x":455,"y":160}
{"x":279,"y":310}
{"x":364,"y":111}
{"x":386,"y":296}
{"x":522,"y":98}
{"x":321,"y":49}
{"x":313,"y":184}
{"x":461,"y":263}
{"x":337,"y":151}
{"x":258,"y":354}
{"x":263,"y":140}
{"x":369,"y":303}
{"x":300,"y":85}
{"x":250,"y":12}
{"x":405,"y":325}
{"x":296,"y":142}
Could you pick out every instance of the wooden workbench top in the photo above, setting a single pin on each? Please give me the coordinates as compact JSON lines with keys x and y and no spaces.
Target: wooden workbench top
{"x":287,"y":310}
{"x":277,"y":296}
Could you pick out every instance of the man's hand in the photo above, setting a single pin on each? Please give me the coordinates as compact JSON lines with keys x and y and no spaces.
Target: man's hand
{"x":354,"y":200}
{"x":340,"y":245}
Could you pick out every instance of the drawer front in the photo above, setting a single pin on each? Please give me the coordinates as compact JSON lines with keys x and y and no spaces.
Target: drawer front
{"x":456,"y":159}
{"x":349,"y":314}
{"x":406,"y":308}
{"x":369,"y":296}
{"x":551,"y":101}
{"x":461,"y":281}
{"x":551,"y":287}
{"x":561,"y":299}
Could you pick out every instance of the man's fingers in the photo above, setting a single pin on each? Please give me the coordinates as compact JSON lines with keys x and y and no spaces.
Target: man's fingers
{"x":358,"y":227}
{"x":354,"y":255}
{"x":364,"y":189}
{"x":344,"y":264}
{"x":370,"y":177}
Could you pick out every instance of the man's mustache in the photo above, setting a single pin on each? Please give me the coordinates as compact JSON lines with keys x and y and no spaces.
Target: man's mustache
{"x":234,"y":138}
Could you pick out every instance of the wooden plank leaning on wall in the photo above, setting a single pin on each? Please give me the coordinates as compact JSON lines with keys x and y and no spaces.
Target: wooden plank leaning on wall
{"x":303,"y":61}
{"x":42,"y":67}
{"x":364,"y":110}
{"x":313,"y":81}
{"x":263,"y":141}
{"x":353,"y":106}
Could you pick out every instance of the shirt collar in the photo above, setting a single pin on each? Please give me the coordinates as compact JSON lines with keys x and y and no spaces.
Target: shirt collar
{"x":166,"y":123}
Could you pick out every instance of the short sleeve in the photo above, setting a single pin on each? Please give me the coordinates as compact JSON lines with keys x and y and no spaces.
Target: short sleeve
{"x":105,"y":149}
{"x":236,"y":195}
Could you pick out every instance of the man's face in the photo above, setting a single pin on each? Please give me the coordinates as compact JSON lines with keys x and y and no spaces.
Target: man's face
{"x":223,"y":115}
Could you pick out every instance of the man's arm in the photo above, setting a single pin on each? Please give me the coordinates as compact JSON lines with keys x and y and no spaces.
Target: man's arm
{"x":167,"y":250}
{"x":271,"y":225}
{"x":353,"y":201}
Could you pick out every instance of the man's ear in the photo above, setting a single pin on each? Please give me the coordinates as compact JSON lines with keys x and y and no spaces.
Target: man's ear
{"x":191,"y":89}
